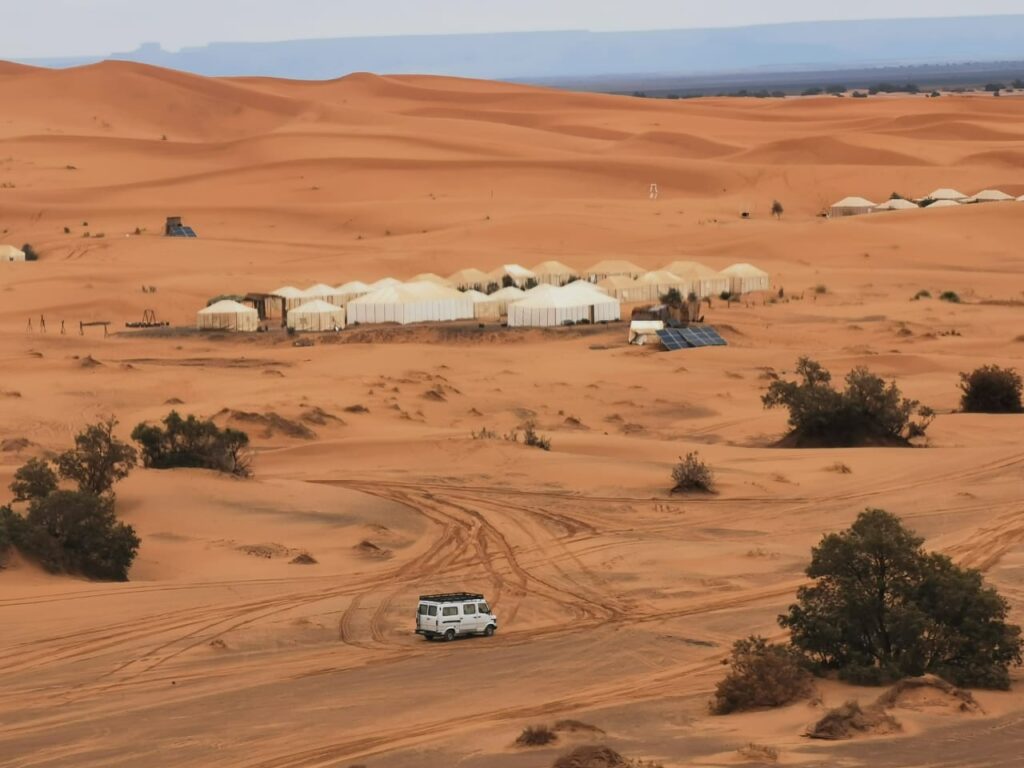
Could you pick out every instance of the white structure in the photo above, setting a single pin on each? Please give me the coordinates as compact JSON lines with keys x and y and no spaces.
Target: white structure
{"x":502,"y":298}
{"x":654,"y":285}
{"x":945,"y":193}
{"x":519,"y":275}
{"x":324,"y":292}
{"x":944,"y":204}
{"x":1020,"y":199}
{"x":561,"y":306}
{"x":653,"y":193}
{"x":10,"y":253}
{"x":746,"y":278}
{"x":430,"y":277}
{"x":896,"y":204}
{"x":384,"y":282}
{"x":352,"y":290}
{"x":317,"y":315}
{"x":483,"y":307}
{"x":292,"y":296}
{"x":228,"y":315}
{"x":469,"y":278}
{"x":623,"y":288}
{"x":452,"y":615}
{"x":851,"y":206}
{"x":611,"y":268}
{"x":554,"y":273}
{"x":411,"y":303}
{"x":990,"y":196}
{"x":703,"y":280}
{"x":643,"y":332}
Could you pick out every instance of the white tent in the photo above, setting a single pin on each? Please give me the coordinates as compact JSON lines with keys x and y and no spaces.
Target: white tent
{"x":945,"y":193}
{"x":384,"y":282}
{"x":519,"y":275}
{"x":228,"y":315}
{"x":411,"y":303}
{"x":469,"y":278}
{"x":352,"y":290}
{"x":10,"y":253}
{"x":623,"y":288}
{"x":1020,"y":199}
{"x":654,"y":285}
{"x":561,"y":306}
{"x":896,"y":204}
{"x":292,"y":296}
{"x":317,"y":315}
{"x":851,"y":206}
{"x":430,"y":277}
{"x":746,"y":278}
{"x":324,"y":292}
{"x":586,"y":286}
{"x":611,"y":268}
{"x":501,"y":298}
{"x":990,"y":196}
{"x":704,"y":281}
{"x":483,"y":307}
{"x":944,"y":204}
{"x":554,"y":273}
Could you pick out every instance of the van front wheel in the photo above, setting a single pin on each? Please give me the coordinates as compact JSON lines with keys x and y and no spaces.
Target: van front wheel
{"x":489,"y":632}
{"x":449,"y":635}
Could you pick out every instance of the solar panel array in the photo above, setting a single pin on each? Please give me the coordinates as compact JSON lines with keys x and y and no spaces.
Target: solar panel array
{"x":690,"y":338}
{"x":181,"y":231}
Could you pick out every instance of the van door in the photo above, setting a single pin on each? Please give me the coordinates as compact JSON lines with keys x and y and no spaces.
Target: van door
{"x":426,"y":617}
{"x":471,"y":619}
{"x":451,"y":619}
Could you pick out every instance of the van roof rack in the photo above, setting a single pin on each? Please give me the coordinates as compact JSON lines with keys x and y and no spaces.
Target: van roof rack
{"x":451,"y":597}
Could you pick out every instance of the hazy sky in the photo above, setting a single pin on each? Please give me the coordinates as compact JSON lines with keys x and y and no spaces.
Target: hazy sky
{"x":73,"y":27}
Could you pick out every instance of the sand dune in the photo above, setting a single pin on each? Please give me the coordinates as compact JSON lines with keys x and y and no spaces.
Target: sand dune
{"x":617,"y":600}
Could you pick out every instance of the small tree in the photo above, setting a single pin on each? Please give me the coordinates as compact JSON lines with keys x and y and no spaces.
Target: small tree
{"x":77,"y":532}
{"x":692,"y":474}
{"x":991,"y":389}
{"x":777,"y":209}
{"x":761,"y":674}
{"x":192,"y":442}
{"x":34,"y":480}
{"x":881,"y":608}
{"x":98,"y":459}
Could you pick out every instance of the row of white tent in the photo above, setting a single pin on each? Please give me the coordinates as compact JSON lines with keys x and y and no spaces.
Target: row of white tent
{"x":940,"y":198}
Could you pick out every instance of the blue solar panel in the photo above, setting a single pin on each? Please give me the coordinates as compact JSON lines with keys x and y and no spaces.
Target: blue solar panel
{"x":690,"y":338}
{"x":181,"y":231}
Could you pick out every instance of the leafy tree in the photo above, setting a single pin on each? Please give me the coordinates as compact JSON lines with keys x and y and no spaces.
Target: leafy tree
{"x":98,"y":459}
{"x":881,"y":608}
{"x":192,"y":442}
{"x":761,"y":674}
{"x":34,"y":480}
{"x":991,"y":389}
{"x":11,"y":525}
{"x":77,"y":532}
{"x":777,"y":209}
{"x":868,"y":411}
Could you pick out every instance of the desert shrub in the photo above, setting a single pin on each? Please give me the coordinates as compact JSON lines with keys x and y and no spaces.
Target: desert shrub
{"x":692,"y":474}
{"x":820,"y":288}
{"x":98,"y":459}
{"x":192,"y":442}
{"x":672,"y":298}
{"x":761,"y":674}
{"x":867,"y":412}
{"x":533,"y":439}
{"x":485,"y":434}
{"x":760,"y":752}
{"x":33,"y":480}
{"x":30,"y":252}
{"x":536,"y":736}
{"x":922,"y":294}
{"x":811,"y":92}
{"x":881,"y":608}
{"x":991,"y":389}
{"x":77,"y":532}
{"x":951,"y":296}
{"x":727,"y":296}
{"x":777,"y":209}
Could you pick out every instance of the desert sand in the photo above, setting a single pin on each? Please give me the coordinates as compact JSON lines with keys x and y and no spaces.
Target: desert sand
{"x":617,"y":601}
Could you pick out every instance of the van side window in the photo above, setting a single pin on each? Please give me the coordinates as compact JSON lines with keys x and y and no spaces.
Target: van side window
{"x":423,"y":609}
{"x":469,"y":609}
{"x":484,"y":608}
{"x":450,"y":610}
{"x":432,"y":611}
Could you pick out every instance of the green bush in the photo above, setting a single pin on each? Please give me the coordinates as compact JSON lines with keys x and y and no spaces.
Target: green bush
{"x":33,"y":480}
{"x":533,"y":439}
{"x":761,"y":674}
{"x":881,"y":608}
{"x":192,"y":442}
{"x":991,"y":389}
{"x":867,"y":412}
{"x":951,"y":296}
{"x":922,"y":294}
{"x":98,"y":459}
{"x":692,"y":474}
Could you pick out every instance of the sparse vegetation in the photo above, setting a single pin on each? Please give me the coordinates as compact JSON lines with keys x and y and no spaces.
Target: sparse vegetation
{"x":192,"y":442}
{"x":762,"y":753}
{"x":922,"y":294}
{"x":991,"y":389}
{"x":867,"y":412}
{"x":30,"y":252}
{"x":951,"y":296}
{"x":777,"y":209}
{"x":691,"y":474}
{"x":820,"y":289}
{"x":536,"y":736}
{"x":761,"y":674}
{"x":881,"y":608}
{"x":533,"y":439}
{"x":98,"y":459}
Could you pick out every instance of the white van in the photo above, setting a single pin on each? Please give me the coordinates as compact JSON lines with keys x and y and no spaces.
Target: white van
{"x":453,"y":615}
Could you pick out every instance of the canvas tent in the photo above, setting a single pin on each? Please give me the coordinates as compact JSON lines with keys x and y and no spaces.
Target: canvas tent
{"x":10,"y":253}
{"x":430,"y":277}
{"x":945,"y":193}
{"x":554,"y":273}
{"x":704,"y":281}
{"x":352,"y":290}
{"x":483,"y":307}
{"x":292,"y":296}
{"x":317,"y":315}
{"x":746,"y":278}
{"x":228,"y":315}
{"x":469,"y":278}
{"x":623,"y":288}
{"x":561,"y":306}
{"x":519,"y":275}
{"x":851,"y":206}
{"x":411,"y":303}
{"x":896,"y":204}
{"x":654,"y":285}
{"x":501,"y":299}
{"x":324,"y":292}
{"x":384,"y":282}
{"x":611,"y":268}
{"x":944,"y":204}
{"x":990,"y":196}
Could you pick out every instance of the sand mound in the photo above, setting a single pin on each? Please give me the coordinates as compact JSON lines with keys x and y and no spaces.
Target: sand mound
{"x":1000,"y":158}
{"x":320,"y":417}
{"x":592,"y":757}
{"x":928,"y":693}
{"x":303,"y":559}
{"x":272,"y":423}
{"x":824,"y":150}
{"x":850,"y":720}
{"x":369,"y":549}
{"x":575,"y":726}
{"x":677,"y":144}
{"x":14,"y":444}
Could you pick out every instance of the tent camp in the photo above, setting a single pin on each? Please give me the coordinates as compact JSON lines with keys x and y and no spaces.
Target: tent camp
{"x":623,"y":288}
{"x":562,"y":306}
{"x":704,"y":281}
{"x":352,"y":290}
{"x":517,"y":274}
{"x":746,"y":278}
{"x":469,"y":278}
{"x":483,"y":307}
{"x":317,"y":315}
{"x":554,"y":273}
{"x":10,"y":253}
{"x":654,"y":285}
{"x":990,"y":196}
{"x":945,"y":193}
{"x":227,"y":315}
{"x":410,"y":303}
{"x":430,"y":277}
{"x":324,"y":292}
{"x":896,"y":204}
{"x":944,"y":204}
{"x":611,"y":268}
{"x":851,"y":206}
{"x":292,"y":296}
{"x":502,"y":298}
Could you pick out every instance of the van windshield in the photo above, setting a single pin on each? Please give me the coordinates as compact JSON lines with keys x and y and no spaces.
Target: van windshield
{"x":484,"y":608}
